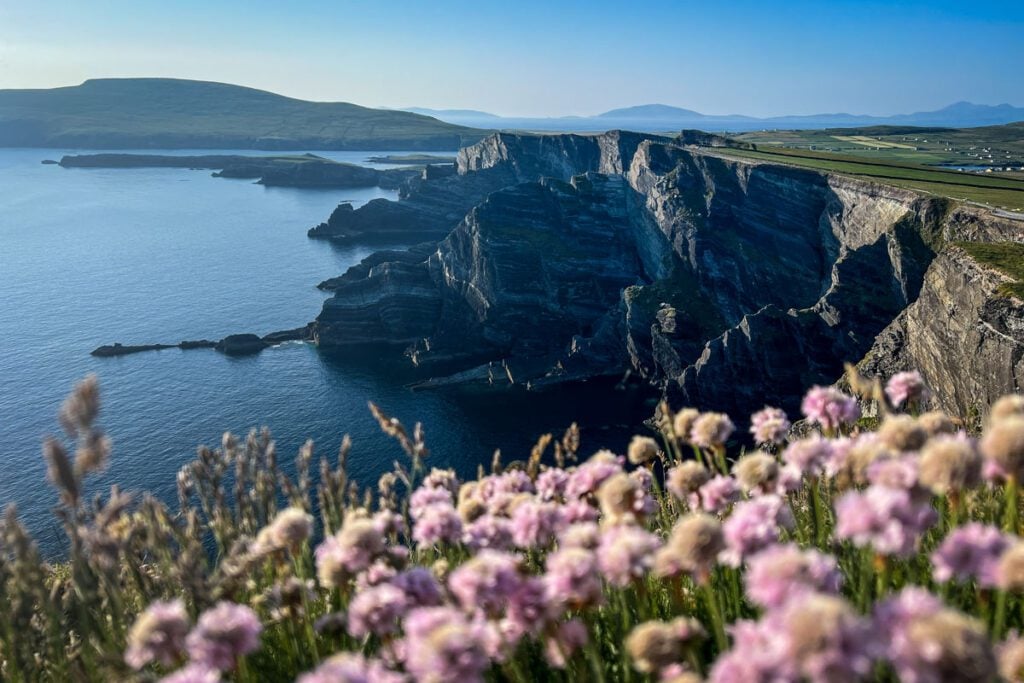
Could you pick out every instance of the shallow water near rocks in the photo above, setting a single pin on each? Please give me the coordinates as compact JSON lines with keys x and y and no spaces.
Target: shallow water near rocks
{"x":96,"y":256}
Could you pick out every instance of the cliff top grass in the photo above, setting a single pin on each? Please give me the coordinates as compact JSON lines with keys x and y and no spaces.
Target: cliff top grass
{"x":1006,"y":257}
{"x":907,"y":144}
{"x":999,"y":191}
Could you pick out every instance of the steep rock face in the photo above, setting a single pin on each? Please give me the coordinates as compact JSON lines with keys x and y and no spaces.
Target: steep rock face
{"x":432,"y":204}
{"x":395,"y":305}
{"x":782,"y":274}
{"x":526,"y":270}
{"x":726,"y":283}
{"x":527,"y":157}
{"x":966,"y":338}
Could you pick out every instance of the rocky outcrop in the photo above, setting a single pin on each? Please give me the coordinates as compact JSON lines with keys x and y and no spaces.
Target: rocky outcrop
{"x":432,"y":204}
{"x":725,"y":282}
{"x":379,"y":221}
{"x":963,"y":335}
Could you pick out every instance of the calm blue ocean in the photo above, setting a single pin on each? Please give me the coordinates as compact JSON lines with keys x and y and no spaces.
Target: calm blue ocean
{"x":93,"y":256}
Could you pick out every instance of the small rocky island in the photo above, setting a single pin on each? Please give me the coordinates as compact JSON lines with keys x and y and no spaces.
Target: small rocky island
{"x":297,"y":170}
{"x":232,"y":345}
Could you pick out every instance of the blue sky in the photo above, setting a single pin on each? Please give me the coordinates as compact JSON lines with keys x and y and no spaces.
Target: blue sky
{"x":540,"y":58}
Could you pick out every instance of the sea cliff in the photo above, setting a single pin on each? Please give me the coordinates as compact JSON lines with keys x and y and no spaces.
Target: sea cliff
{"x":723,"y":281}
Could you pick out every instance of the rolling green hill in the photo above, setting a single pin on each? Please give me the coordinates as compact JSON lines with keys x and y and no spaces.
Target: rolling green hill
{"x":158,"y":113}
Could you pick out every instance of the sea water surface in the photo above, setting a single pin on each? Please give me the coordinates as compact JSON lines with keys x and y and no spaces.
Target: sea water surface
{"x":94,"y":256}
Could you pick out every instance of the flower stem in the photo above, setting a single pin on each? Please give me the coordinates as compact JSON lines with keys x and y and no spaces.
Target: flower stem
{"x":1010,"y":520}
{"x":717,"y":624}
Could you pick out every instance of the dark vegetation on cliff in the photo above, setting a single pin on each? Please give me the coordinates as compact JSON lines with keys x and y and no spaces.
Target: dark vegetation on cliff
{"x":722,"y":275}
{"x":159,"y":113}
{"x":1006,"y":257}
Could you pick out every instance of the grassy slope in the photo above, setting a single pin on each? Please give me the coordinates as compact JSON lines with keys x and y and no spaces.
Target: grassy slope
{"x":179,"y":113}
{"x":1006,"y":257}
{"x":1005,"y":192}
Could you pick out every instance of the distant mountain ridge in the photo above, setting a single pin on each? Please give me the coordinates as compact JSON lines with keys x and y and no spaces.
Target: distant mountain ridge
{"x":164,"y":113}
{"x":663,"y":117}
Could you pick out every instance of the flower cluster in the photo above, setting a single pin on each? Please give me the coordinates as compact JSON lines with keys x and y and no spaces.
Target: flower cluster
{"x":829,"y":552}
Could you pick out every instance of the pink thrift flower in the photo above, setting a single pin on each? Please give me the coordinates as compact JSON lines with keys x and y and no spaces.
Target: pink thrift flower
{"x":420,"y":587}
{"x":580,"y":535}
{"x":376,"y":610}
{"x":971,"y":551}
{"x":753,"y":526}
{"x":626,"y":553}
{"x":838,"y":455}
{"x":377,"y":573}
{"x":896,"y":473}
{"x":578,"y":512}
{"x":588,"y":477}
{"x":810,"y":456}
{"x":711,"y":430}
{"x":488,"y":531}
{"x":501,"y":486}
{"x":926,"y":642}
{"x":441,"y":646}
{"x":528,"y":609}
{"x":830,"y":408}
{"x":224,"y":633}
{"x":486,"y":582}
{"x":425,"y":496}
{"x":907,"y":388}
{"x":158,"y":635}
{"x":781,"y":573}
{"x":437,"y":523}
{"x":573,"y":579}
{"x":535,"y":524}
{"x":759,"y":655}
{"x":352,"y":550}
{"x":551,"y":483}
{"x":828,"y":641}
{"x":888,"y":520}
{"x":442,"y":479}
{"x":716,"y":495}
{"x":769,"y":425}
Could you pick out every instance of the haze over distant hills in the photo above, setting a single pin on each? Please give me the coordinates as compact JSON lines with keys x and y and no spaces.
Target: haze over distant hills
{"x":661,"y":117}
{"x":163,"y":113}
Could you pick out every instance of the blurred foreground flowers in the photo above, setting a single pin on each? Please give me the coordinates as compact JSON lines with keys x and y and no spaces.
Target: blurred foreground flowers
{"x":834,"y":552}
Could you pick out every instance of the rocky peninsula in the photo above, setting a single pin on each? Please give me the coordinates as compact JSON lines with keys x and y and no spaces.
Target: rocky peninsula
{"x":301,"y":170}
